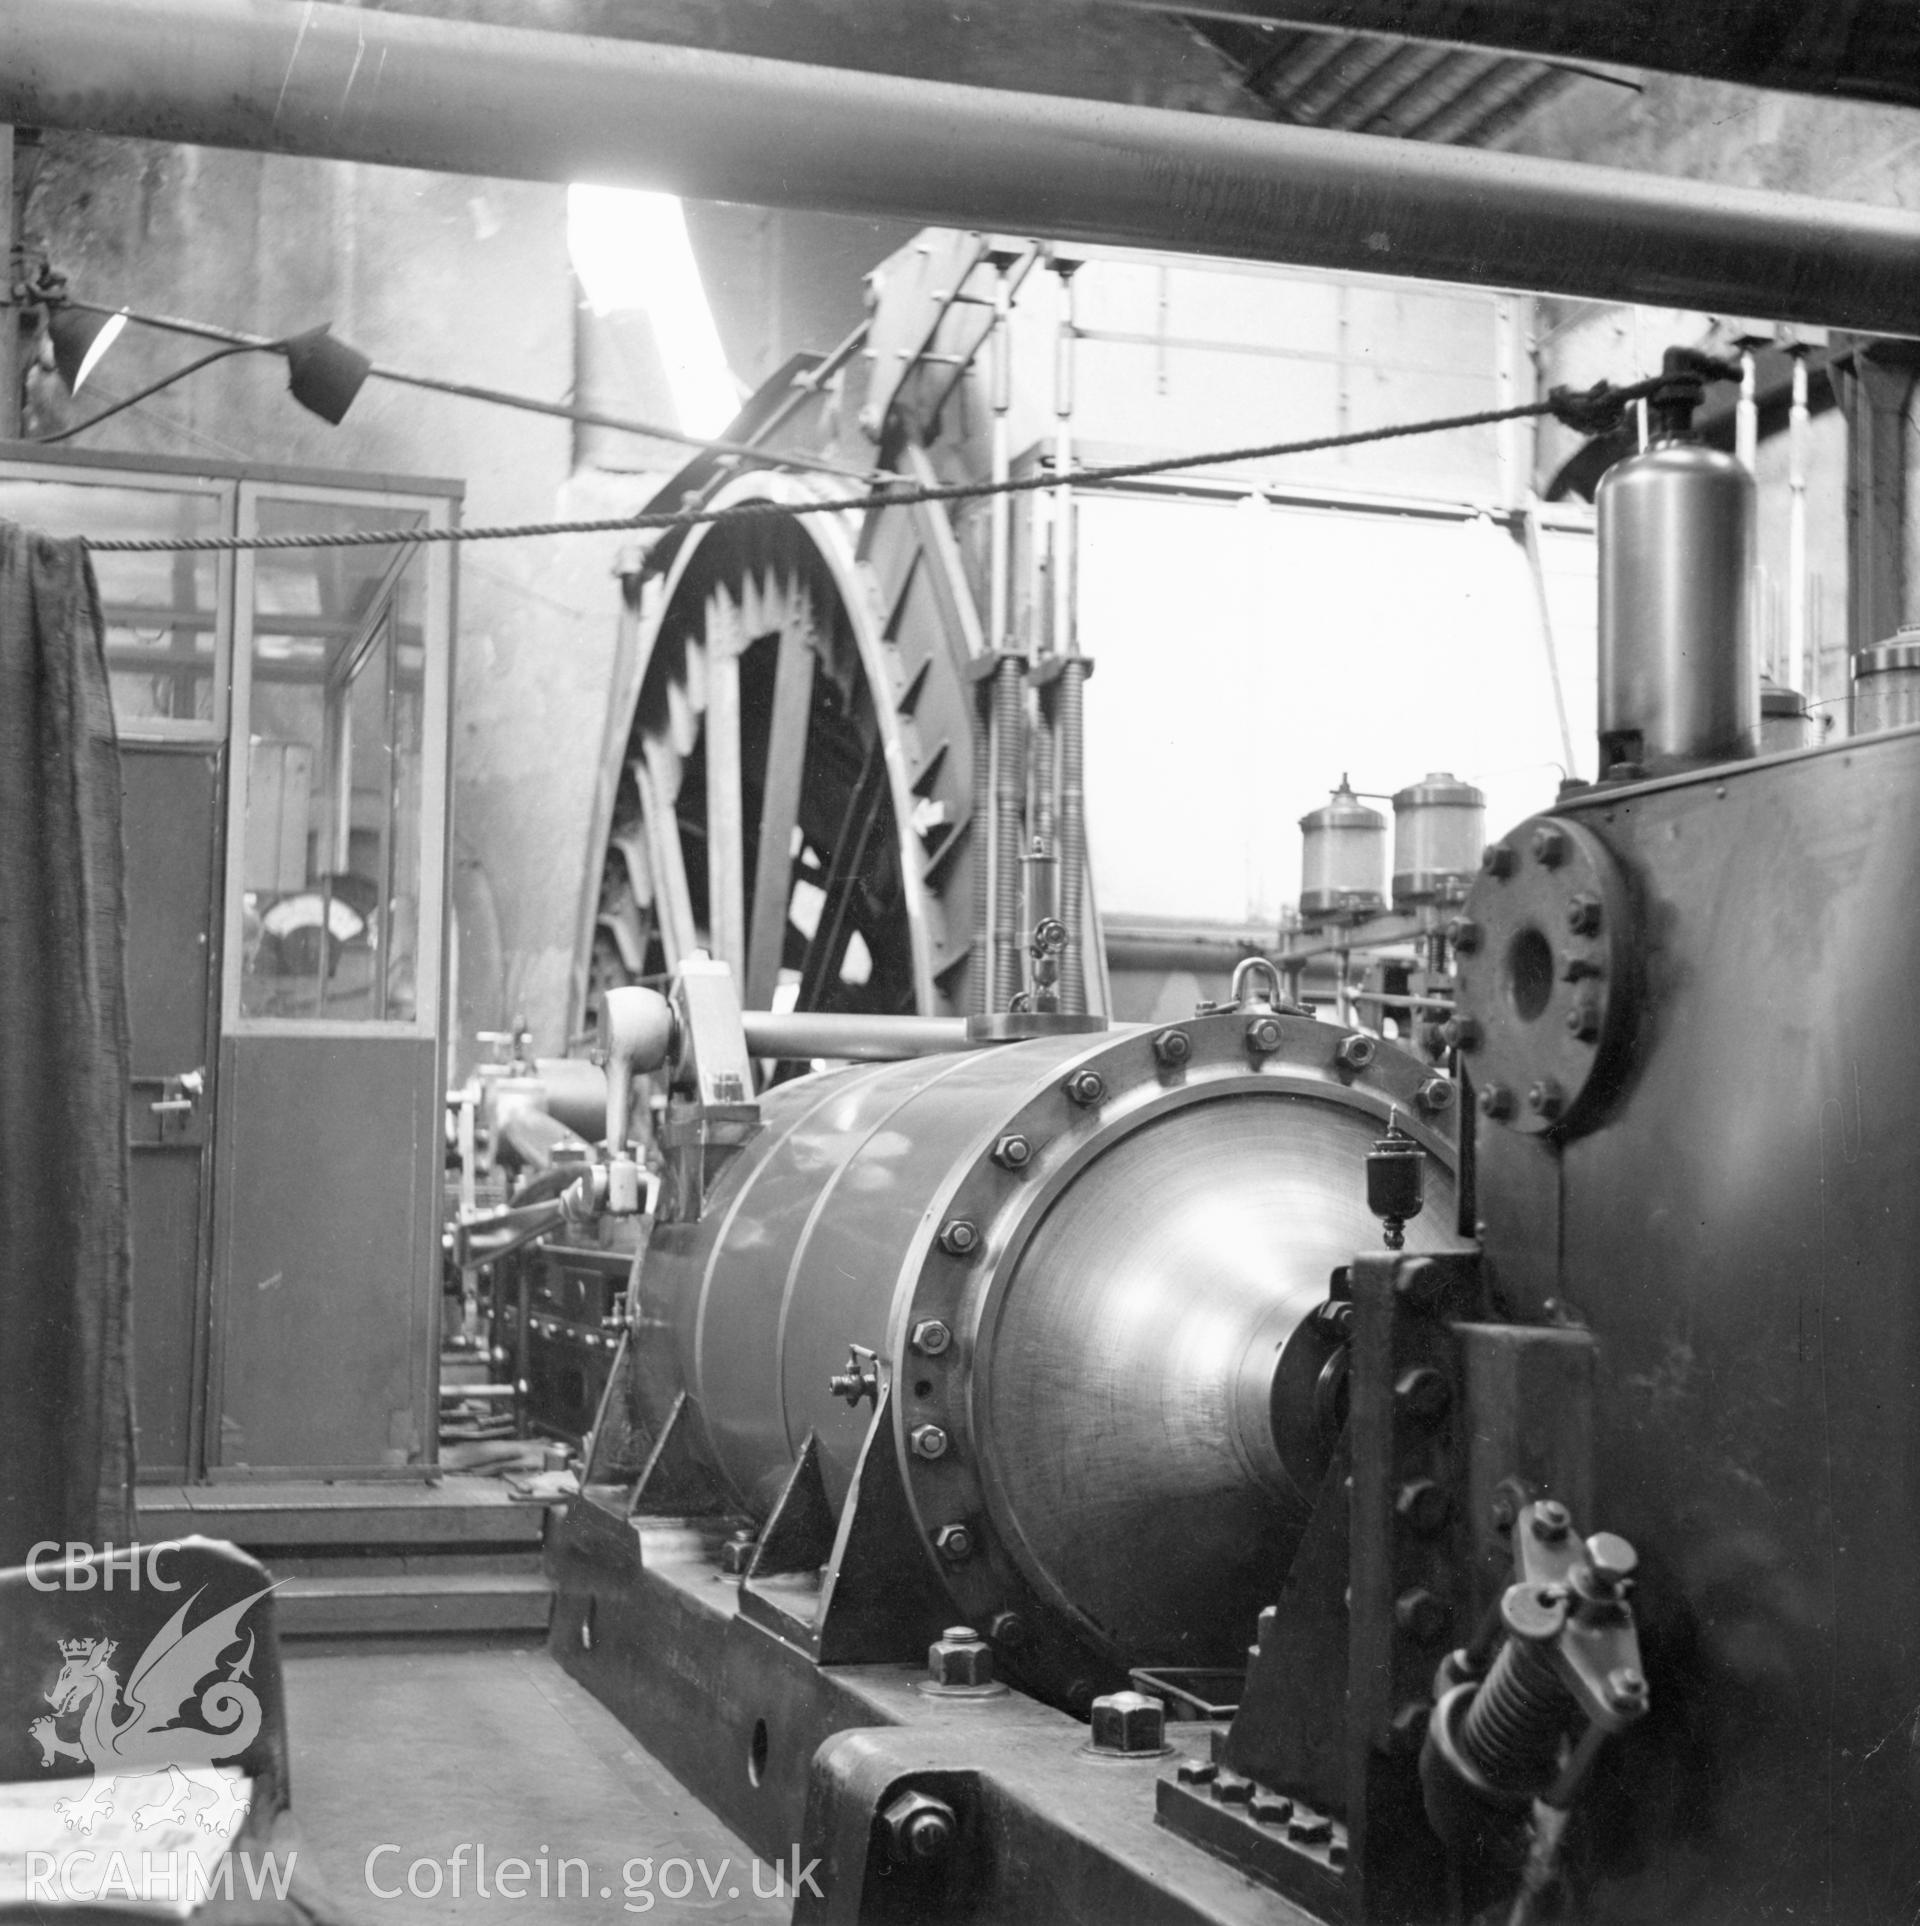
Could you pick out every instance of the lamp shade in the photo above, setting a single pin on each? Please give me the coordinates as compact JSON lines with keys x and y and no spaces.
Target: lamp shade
{"x":80,"y":341}
{"x":323,"y":374}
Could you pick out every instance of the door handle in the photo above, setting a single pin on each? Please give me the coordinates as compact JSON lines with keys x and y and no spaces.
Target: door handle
{"x":180,"y":1092}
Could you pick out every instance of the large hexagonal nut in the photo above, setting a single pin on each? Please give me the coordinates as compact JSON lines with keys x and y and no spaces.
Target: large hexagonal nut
{"x":1264,"y":1036}
{"x":1013,"y":1152}
{"x":959,"y":1236}
{"x":1435,"y":1093}
{"x":1129,"y":1722}
{"x":920,"y":1829}
{"x":737,"y":1553}
{"x":1172,"y":1047}
{"x":929,"y":1441}
{"x":931,"y":1337}
{"x":1086,"y":1086}
{"x":960,"y":1656}
{"x":1355,"y":1052}
{"x":954,"y":1543}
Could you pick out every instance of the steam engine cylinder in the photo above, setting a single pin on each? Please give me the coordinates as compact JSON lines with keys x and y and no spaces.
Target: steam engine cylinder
{"x":1087,"y":1267}
{"x":1677,"y":683}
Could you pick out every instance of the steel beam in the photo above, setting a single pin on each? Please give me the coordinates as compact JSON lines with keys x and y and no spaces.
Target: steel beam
{"x":415,"y":92}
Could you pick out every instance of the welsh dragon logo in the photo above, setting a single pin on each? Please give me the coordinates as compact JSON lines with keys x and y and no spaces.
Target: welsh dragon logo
{"x":138,"y":1736}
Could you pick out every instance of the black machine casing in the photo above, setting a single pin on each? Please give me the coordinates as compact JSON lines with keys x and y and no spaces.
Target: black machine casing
{"x":1733,"y":1207}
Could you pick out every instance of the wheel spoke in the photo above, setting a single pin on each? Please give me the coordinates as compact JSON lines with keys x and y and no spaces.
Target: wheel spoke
{"x":780,"y":796}
{"x":726,"y":831}
{"x":828,"y":950}
{"x":656,"y":775}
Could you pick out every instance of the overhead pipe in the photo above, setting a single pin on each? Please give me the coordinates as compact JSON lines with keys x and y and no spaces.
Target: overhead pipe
{"x":410,"y":91}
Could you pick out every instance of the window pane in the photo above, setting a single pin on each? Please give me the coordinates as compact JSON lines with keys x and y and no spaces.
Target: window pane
{"x":334,"y":822}
{"x":161,"y":610}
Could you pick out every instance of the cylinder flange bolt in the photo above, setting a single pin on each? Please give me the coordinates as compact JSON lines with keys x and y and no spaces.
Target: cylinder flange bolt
{"x":931,"y":1337}
{"x":1546,"y":1098}
{"x":920,"y":1829}
{"x":1129,"y":1725}
{"x":1232,"y":1790}
{"x":1496,"y":1101}
{"x":1172,"y":1047}
{"x":929,"y":1441}
{"x":1435,"y":1093}
{"x":959,"y":1236}
{"x":1086,"y":1086}
{"x":1549,"y":846}
{"x":954,"y":1543}
{"x":1460,"y":1033}
{"x":1008,"y":1629}
{"x":1355,"y":1052}
{"x":1464,"y":934}
{"x":1583,"y":914}
{"x":1013,"y":1152}
{"x":1263,"y":1035}
{"x":1497,"y":860}
{"x":1583,"y":1019}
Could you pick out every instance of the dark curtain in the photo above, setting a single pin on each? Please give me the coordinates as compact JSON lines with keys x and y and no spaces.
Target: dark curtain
{"x":66,"y":1415}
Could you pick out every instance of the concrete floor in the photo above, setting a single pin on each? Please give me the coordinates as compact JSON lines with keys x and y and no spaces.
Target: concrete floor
{"x":429,"y":1750}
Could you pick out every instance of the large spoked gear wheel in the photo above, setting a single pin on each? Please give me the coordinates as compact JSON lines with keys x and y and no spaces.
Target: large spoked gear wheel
{"x":792,"y":792}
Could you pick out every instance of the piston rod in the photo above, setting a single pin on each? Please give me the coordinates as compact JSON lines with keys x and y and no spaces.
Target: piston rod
{"x":407,"y":91}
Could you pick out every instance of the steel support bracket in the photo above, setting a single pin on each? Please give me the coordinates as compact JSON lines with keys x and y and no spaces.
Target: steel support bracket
{"x":851,"y":1591}
{"x":1409,"y":1437}
{"x":676,"y":1481}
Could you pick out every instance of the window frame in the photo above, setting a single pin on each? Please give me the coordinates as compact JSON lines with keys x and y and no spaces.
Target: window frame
{"x":438,"y":512}
{"x":225,"y":490}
